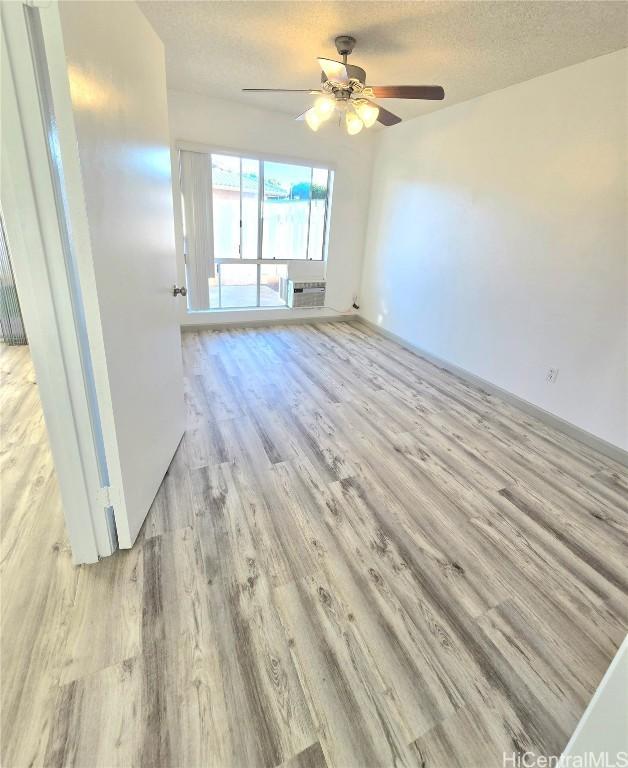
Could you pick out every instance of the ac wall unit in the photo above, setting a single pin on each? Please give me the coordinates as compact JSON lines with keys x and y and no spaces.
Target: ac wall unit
{"x":304,"y":294}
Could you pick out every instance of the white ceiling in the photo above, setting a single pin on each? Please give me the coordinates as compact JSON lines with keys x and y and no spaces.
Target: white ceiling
{"x":470,"y":48}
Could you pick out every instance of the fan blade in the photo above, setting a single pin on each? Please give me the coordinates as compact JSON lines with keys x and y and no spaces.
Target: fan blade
{"x":334,"y":70}
{"x":301,"y":116}
{"x":282,"y":90}
{"x":433,"y":92}
{"x":385,"y":117}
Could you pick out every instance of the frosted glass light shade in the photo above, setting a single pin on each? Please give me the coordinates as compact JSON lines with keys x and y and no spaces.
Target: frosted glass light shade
{"x":325,"y":107}
{"x":312,"y":119}
{"x":368,"y":112}
{"x":353,"y":123}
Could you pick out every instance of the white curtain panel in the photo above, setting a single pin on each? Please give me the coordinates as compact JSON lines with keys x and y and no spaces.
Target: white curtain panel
{"x":196,"y":189}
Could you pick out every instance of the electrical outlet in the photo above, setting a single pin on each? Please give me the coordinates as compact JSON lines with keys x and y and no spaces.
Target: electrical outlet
{"x":551,"y":376}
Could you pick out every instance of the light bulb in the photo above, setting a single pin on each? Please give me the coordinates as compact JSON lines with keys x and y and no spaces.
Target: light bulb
{"x":353,"y":123}
{"x":312,"y":119}
{"x":368,"y":112}
{"x":324,"y":107}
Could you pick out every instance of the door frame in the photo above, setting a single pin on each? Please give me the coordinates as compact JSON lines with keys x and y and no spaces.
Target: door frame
{"x":51,"y":256}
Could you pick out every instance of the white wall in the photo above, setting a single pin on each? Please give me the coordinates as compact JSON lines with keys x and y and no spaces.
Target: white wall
{"x":497,"y":240}
{"x":231,"y":125}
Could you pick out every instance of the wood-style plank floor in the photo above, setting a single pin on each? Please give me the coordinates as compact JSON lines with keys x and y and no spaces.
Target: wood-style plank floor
{"x":355,"y":559}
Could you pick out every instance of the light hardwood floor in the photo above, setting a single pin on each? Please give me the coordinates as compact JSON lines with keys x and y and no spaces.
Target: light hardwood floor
{"x":355,"y":559}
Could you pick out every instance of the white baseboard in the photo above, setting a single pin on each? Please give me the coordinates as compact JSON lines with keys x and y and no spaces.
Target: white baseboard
{"x":577,"y":433}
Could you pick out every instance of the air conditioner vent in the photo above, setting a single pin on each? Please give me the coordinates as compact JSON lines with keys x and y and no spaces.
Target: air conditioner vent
{"x":305,"y":294}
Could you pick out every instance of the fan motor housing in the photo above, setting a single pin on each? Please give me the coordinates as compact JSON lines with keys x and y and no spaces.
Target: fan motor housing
{"x":345,"y":44}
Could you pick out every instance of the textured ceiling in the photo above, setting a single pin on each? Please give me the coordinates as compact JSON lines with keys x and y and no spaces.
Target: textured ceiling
{"x":470,"y":48}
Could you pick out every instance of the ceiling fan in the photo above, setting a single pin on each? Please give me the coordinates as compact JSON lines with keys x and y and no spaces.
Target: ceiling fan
{"x":344,"y":92}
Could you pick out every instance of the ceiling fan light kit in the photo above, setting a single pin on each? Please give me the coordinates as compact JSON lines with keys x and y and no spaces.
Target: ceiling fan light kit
{"x":353,"y":123}
{"x":367,"y":111}
{"x":325,"y":107}
{"x":313,"y":119}
{"x":344,"y":92}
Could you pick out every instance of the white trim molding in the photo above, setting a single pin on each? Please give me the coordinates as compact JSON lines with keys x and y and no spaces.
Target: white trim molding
{"x":33,"y":180}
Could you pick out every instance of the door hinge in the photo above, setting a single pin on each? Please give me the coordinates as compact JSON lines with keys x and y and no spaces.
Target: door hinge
{"x":104,"y":496}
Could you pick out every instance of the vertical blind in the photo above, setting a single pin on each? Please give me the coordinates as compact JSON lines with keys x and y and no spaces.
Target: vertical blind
{"x":11,"y":322}
{"x":198,"y":234}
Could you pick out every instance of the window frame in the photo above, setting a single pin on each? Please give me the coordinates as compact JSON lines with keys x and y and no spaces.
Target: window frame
{"x":329,"y":166}
{"x":243,"y":154}
{"x":260,"y":263}
{"x":261,"y":182}
{"x":213,"y":149}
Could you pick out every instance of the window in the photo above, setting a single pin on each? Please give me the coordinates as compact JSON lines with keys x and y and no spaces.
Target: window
{"x":286,"y":211}
{"x":247,"y":284}
{"x":265,"y":214}
{"x":226,"y":203}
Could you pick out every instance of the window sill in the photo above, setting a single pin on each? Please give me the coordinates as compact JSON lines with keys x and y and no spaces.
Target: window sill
{"x":213,"y":310}
{"x":255,"y":316}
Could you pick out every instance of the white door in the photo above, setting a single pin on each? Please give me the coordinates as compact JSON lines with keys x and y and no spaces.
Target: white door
{"x":108,"y":109}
